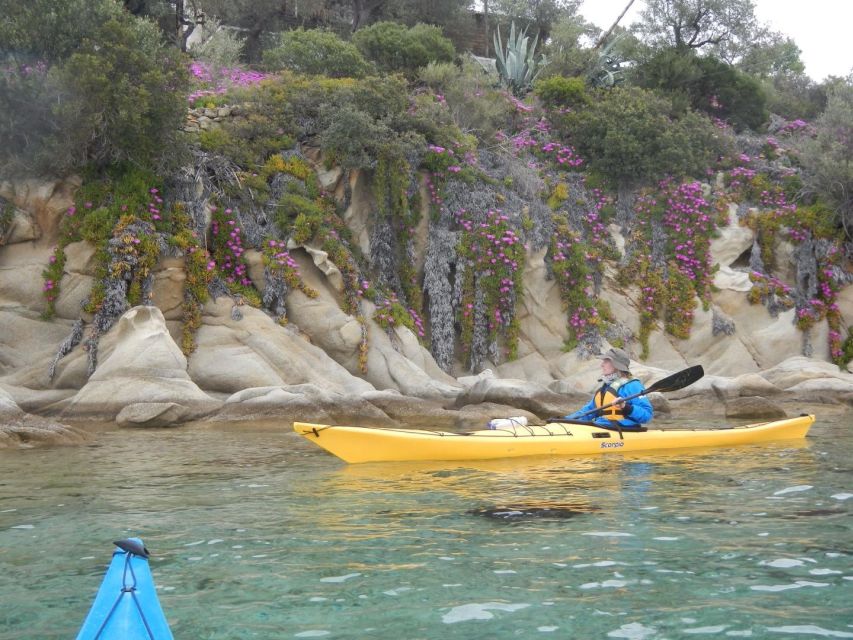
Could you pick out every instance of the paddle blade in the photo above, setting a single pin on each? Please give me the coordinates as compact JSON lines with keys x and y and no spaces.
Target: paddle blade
{"x":678,"y":380}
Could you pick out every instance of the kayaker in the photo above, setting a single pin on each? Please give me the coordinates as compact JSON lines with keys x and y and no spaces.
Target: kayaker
{"x":616,"y":383}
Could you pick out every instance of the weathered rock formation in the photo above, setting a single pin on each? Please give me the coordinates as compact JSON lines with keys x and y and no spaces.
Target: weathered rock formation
{"x":19,"y":429}
{"x":248,"y":366}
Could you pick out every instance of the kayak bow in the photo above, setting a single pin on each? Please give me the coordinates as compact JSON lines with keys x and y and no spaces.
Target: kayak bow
{"x":126,"y":605}
{"x":360,"y":444}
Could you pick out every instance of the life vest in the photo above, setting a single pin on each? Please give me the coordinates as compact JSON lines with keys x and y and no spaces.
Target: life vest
{"x":607,"y":394}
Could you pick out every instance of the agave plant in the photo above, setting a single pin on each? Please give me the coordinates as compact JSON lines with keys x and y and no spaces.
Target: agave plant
{"x":606,"y":71}
{"x":517,"y":66}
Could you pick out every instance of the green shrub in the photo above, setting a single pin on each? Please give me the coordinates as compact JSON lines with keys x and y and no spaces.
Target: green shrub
{"x":215,"y":139}
{"x":393,"y":47}
{"x":114,"y":92}
{"x":317,"y":52}
{"x":631,"y":135}
{"x":220,"y":48}
{"x":706,"y":84}
{"x":129,"y":86}
{"x":438,"y":74}
{"x":51,"y":31}
{"x":292,"y":205}
{"x":795,"y":97}
{"x":33,"y":137}
{"x":828,"y":156}
{"x":472,"y":101}
{"x":352,"y":137}
{"x":558,"y":91}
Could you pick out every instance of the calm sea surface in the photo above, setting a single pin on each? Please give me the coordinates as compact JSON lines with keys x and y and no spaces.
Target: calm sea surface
{"x":259,"y":534}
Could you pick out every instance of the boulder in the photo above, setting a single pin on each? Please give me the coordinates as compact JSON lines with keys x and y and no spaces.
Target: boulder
{"x":731,"y":241}
{"x":167,"y":290}
{"x":394,"y":361}
{"x":21,"y":282}
{"x":702,"y":387}
{"x":522,"y":394}
{"x":571,"y":390}
{"x":770,"y":340}
{"x":45,"y":201}
{"x":43,"y":402}
{"x":255,"y":351}
{"x":542,"y":321}
{"x":754,"y":407}
{"x":476,"y":416}
{"x":74,"y":293}
{"x":27,"y":344}
{"x":729,"y":279}
{"x":660,"y":403}
{"x":721,"y":354}
{"x":81,"y":257}
{"x":77,"y":280}
{"x":19,"y":429}
{"x":145,"y":366}
{"x":796,"y":370}
{"x":361,"y":205}
{"x":533,"y":367}
{"x":303,"y":403}
{"x":749,"y":384}
{"x":845,"y":305}
{"x":22,"y":228}
{"x":822,"y":390}
{"x":469,"y":381}
{"x":575,"y":372}
{"x":410,"y":412}
{"x":152,"y":414}
{"x":321,"y":260}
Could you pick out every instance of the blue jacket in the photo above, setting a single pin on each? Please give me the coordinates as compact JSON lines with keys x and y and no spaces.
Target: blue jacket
{"x":637,"y":411}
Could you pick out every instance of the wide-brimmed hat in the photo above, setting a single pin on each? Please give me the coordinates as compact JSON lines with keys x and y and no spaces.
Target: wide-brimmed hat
{"x":620,"y":359}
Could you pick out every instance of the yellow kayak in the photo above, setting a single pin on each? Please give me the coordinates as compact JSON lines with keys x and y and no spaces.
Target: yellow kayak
{"x":360,"y":444}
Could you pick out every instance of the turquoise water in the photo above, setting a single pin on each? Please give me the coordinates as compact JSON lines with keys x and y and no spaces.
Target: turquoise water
{"x":259,"y":534}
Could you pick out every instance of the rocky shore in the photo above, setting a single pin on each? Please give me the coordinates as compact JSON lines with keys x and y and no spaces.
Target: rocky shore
{"x":144,"y":382}
{"x":247,"y":366}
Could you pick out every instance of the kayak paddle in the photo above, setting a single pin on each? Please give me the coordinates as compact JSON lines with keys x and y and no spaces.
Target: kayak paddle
{"x":674,"y":382}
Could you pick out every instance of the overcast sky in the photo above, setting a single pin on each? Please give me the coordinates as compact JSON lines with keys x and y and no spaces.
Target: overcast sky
{"x":821,"y":28}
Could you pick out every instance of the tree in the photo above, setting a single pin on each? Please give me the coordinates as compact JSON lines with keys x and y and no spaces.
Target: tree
{"x":436,"y":12}
{"x":362,"y":10}
{"x":828,"y":157}
{"x":771,"y":55}
{"x":565,"y":50}
{"x":705,"y":84}
{"x":260,"y":17}
{"x":50,"y":30}
{"x":698,"y":24}
{"x":795,"y":96}
{"x":317,"y":52}
{"x":220,"y":48}
{"x":100,"y":85}
{"x":177,"y":19}
{"x":541,"y":14}
{"x":632,"y":135}
{"x":393,"y":47}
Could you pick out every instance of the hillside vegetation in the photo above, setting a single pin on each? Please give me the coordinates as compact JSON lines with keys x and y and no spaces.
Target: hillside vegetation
{"x":658,"y":136}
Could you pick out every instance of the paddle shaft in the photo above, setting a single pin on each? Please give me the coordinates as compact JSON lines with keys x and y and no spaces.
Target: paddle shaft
{"x":674,"y":382}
